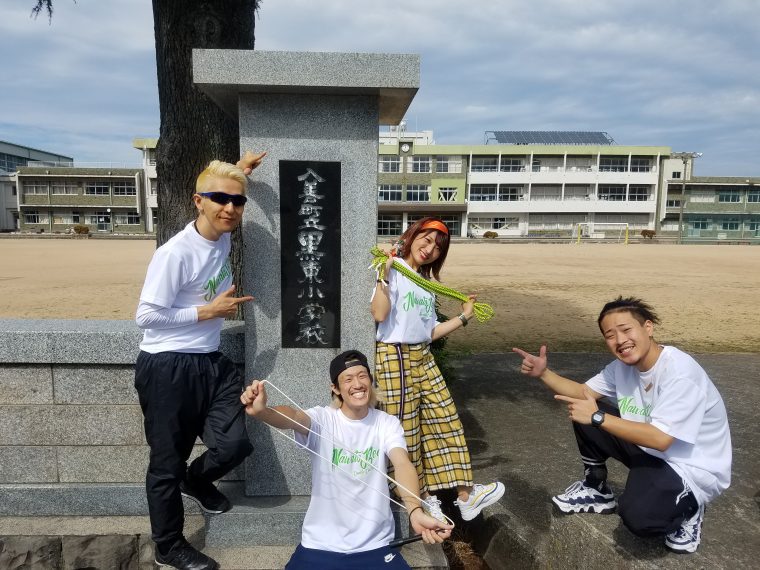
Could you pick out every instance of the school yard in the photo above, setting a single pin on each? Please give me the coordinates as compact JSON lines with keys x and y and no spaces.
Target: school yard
{"x":706,"y":295}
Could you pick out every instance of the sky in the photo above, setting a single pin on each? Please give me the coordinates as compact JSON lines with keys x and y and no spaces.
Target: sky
{"x":677,"y":73}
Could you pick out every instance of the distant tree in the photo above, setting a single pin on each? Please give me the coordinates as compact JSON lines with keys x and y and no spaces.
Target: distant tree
{"x":194,"y":130}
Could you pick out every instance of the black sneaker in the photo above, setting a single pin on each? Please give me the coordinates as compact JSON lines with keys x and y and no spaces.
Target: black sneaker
{"x":207,"y":496}
{"x":183,"y":556}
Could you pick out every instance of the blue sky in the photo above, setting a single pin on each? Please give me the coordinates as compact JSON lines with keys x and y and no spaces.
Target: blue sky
{"x":678,"y":73}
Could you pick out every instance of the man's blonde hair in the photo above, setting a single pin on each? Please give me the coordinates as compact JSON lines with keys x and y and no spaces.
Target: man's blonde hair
{"x":219,"y":169}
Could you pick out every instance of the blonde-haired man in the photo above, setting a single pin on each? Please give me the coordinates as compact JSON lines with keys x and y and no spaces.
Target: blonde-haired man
{"x":187,"y":388}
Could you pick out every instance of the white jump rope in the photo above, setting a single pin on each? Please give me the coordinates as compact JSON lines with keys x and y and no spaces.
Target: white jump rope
{"x":362,"y":462}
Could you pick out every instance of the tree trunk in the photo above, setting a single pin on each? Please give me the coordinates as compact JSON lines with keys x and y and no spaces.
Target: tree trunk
{"x":194,"y":130}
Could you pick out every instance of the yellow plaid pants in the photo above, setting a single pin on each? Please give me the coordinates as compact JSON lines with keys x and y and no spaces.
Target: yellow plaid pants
{"x":412,"y":388}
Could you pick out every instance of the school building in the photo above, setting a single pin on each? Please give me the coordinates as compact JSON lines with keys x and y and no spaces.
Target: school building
{"x":520,"y":183}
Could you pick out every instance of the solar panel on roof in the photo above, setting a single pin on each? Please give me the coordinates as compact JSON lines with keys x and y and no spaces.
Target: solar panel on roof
{"x":552,"y":137}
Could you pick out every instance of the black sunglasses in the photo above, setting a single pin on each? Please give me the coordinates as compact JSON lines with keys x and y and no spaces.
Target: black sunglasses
{"x":223,"y":198}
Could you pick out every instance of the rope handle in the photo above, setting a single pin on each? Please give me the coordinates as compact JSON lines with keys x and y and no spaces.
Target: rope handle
{"x":483,"y":311}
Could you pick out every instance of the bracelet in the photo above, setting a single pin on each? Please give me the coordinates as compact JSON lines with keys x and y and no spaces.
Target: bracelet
{"x":414,"y":509}
{"x":384,"y":281}
{"x":464,"y":320}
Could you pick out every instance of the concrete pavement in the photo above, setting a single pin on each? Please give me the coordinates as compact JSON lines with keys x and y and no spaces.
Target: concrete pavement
{"x":518,"y":434}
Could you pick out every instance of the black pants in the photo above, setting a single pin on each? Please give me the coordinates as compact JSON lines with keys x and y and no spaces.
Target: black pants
{"x":185,"y":396}
{"x":656,"y":500}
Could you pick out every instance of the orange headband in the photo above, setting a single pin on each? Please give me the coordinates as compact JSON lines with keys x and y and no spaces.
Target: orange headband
{"x":435,"y":225}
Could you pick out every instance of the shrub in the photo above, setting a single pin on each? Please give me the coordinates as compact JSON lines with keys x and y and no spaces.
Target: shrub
{"x":490,"y":235}
{"x":81,"y":230}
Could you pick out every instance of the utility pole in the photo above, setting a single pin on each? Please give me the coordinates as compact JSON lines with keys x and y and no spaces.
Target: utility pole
{"x":686,"y":157}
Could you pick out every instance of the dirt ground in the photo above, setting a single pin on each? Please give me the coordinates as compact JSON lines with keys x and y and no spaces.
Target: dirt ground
{"x":707,"y":296}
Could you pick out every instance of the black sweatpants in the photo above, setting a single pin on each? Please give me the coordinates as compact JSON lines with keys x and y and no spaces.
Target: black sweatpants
{"x":185,"y":396}
{"x":656,"y":500}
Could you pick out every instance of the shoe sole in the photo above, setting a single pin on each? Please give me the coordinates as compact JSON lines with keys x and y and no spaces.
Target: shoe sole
{"x":494,"y":497}
{"x":204,"y":509}
{"x":595,"y":509}
{"x":679,"y":550}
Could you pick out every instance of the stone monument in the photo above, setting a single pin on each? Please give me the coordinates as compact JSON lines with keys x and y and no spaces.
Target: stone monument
{"x":307,"y":232}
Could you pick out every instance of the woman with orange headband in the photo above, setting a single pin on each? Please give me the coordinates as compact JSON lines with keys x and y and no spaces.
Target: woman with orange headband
{"x":410,"y":383}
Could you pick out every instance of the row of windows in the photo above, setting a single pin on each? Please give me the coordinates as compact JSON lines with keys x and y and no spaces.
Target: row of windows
{"x":93,"y":218}
{"x":443,"y":164}
{"x":728,"y":224}
{"x":725,"y":195}
{"x":392,"y":224}
{"x":606,"y":164}
{"x":94,"y":188}
{"x":509,"y":193}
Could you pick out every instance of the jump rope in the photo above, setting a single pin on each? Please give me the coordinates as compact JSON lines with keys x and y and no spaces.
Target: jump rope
{"x":362,"y":462}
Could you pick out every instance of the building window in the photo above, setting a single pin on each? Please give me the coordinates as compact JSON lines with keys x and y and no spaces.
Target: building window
{"x":13,"y":190}
{"x":447,"y":194}
{"x":638,"y":193}
{"x":509,"y":193}
{"x":731,"y":224}
{"x":483,"y":193}
{"x":128,"y":219}
{"x":485,"y":164}
{"x":640,"y":164}
{"x":732,"y":196}
{"x":34,"y":187}
{"x":452,"y":221}
{"x":34,"y":217}
{"x":753,"y":196}
{"x":613,"y":164}
{"x":484,"y":224}
{"x":753,"y":225}
{"x":75,"y":217}
{"x":97,"y":189}
{"x":389,"y":225}
{"x":676,"y":175}
{"x":612,"y":193}
{"x":124,"y":188}
{"x":417,"y":193}
{"x":702,"y":196}
{"x":389,"y":193}
{"x":420,"y":164}
{"x":673,"y":204}
{"x":64,"y":187}
{"x":448,"y":164}
{"x":512,"y":165}
{"x":389,"y":164}
{"x":700,"y":224}
{"x":153,"y":187}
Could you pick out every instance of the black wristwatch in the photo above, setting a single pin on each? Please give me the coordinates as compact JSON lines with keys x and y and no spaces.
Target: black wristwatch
{"x":597,"y":418}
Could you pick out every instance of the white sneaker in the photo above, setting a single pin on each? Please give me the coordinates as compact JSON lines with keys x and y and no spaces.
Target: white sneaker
{"x":481,"y":497}
{"x":578,"y":498}
{"x":432,"y":507}
{"x":689,"y":535}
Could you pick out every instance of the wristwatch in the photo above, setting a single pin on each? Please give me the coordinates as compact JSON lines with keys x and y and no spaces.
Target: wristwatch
{"x":597,"y":418}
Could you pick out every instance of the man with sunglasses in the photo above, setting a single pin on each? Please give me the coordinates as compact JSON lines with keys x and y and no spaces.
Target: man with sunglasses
{"x":187,"y":388}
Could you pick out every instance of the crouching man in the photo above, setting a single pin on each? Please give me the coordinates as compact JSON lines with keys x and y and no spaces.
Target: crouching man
{"x":669,"y":428}
{"x":348,"y":525}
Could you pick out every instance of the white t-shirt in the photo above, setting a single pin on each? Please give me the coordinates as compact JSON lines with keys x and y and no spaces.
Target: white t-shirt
{"x":412,"y":317}
{"x":186,"y":272}
{"x":344,"y":515}
{"x":683,"y":403}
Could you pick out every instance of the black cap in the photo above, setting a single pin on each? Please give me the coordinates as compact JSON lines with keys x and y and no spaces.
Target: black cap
{"x":346,"y":360}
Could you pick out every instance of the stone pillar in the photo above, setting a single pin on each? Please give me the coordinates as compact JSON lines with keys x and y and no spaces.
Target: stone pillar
{"x":321,"y":110}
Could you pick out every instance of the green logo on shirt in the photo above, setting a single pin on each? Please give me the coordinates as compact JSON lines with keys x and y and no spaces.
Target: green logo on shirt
{"x":364,"y":459}
{"x":628,"y":406}
{"x":411,"y":301}
{"x":214,"y":282}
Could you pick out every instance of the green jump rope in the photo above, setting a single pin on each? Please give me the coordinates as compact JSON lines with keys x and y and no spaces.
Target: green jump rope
{"x":483,"y":311}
